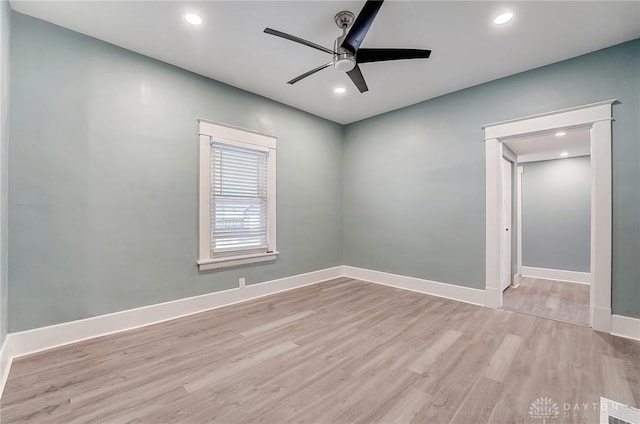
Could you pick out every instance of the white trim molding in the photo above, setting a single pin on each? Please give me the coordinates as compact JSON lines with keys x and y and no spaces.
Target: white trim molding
{"x":626,"y":327}
{"x":44,"y":338}
{"x":223,"y":134}
{"x":622,"y":413}
{"x":5,"y":363}
{"x":597,"y":117}
{"x":556,"y":274}
{"x":516,"y":280}
{"x":519,"y":220}
{"x":36,"y":340}
{"x":434,"y":288}
{"x":204,"y":265}
{"x":493,"y":176}
{"x":584,"y":115}
{"x":601,"y":224}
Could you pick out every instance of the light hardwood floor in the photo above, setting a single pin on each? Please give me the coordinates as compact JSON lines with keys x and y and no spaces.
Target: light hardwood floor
{"x":337,"y":352}
{"x":549,"y":299}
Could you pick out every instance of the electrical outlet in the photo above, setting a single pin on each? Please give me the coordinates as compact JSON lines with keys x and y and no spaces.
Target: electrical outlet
{"x":241,"y":282}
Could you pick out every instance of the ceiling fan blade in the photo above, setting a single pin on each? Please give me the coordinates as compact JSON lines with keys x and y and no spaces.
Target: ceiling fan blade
{"x":361,"y":25}
{"x":356,"y":76}
{"x":311,"y":72}
{"x":381,"y":55}
{"x":297,"y":39}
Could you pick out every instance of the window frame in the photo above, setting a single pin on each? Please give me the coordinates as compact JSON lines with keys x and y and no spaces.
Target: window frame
{"x":210,"y":132}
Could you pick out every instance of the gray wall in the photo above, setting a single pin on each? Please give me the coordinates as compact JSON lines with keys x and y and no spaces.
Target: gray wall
{"x":103,"y":176}
{"x":103,"y":179}
{"x":5,"y":17}
{"x":414,"y":179}
{"x":556,"y":214}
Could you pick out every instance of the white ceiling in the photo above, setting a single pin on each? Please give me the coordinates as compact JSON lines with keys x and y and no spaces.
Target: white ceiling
{"x":468,"y":49}
{"x":545,"y":146}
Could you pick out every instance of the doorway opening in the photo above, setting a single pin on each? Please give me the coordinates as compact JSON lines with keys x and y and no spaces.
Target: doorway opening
{"x":550,"y":271}
{"x":596,"y":119}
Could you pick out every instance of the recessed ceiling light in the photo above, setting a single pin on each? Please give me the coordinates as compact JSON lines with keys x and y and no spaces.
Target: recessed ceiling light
{"x":339,"y":90}
{"x":564,"y":154}
{"x":503,"y":18}
{"x":193,"y":19}
{"x":560,"y":133}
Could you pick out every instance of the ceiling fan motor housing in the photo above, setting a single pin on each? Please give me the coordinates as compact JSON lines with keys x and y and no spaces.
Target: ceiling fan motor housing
{"x":344,"y":60}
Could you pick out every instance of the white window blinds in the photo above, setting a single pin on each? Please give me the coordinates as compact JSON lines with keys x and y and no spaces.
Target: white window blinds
{"x":238,"y":199}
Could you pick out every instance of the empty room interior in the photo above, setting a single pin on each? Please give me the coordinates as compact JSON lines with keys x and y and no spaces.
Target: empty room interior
{"x":319,"y":211}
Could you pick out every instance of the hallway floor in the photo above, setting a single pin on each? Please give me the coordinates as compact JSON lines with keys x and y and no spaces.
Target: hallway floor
{"x":549,"y":299}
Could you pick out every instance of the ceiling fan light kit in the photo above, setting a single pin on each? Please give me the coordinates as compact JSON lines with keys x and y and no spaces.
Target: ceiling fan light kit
{"x":343,"y":60}
{"x":347,"y":54}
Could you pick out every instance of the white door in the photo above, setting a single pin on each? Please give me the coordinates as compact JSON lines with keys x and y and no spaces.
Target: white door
{"x":505,"y":254}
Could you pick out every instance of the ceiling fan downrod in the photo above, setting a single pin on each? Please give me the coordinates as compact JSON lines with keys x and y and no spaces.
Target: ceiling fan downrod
{"x":343,"y":59}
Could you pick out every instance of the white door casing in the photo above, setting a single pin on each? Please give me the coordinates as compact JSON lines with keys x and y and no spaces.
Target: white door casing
{"x":598,"y":117}
{"x":520,"y":171}
{"x":505,"y":246}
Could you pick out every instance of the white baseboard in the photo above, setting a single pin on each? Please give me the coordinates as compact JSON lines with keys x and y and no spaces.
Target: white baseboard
{"x":434,"y":288}
{"x":5,"y":363}
{"x":516,"y":280}
{"x":31,"y":341}
{"x":557,"y":274}
{"x":627,"y":327}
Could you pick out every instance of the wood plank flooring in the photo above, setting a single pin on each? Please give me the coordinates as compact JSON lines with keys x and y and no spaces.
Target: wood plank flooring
{"x":549,"y":299}
{"x":342,"y":351}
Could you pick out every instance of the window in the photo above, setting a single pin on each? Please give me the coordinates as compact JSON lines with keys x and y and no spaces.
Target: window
{"x":237,"y":197}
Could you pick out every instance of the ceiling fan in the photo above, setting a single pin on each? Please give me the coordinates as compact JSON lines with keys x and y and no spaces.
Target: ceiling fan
{"x":347,"y":54}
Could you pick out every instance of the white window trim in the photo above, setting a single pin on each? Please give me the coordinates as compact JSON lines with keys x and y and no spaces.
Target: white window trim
{"x":210,"y":131}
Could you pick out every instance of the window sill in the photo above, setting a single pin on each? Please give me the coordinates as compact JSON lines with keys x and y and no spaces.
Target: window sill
{"x":207,"y":264}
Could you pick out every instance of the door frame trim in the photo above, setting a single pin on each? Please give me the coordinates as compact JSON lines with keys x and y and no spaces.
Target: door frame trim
{"x":509,"y":218}
{"x":597,"y":116}
{"x":519,"y":172}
